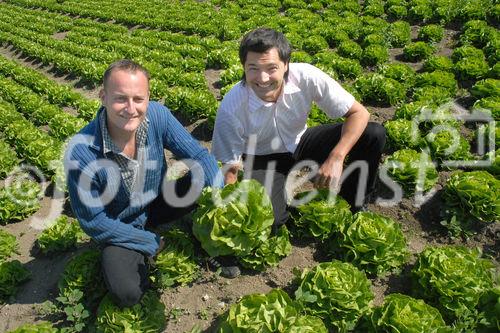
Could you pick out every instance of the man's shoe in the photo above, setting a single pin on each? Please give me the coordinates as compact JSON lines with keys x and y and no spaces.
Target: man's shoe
{"x":357,"y":209}
{"x":227,"y":265}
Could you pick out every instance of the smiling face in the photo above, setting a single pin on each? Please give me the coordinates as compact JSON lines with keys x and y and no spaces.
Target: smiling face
{"x":265,"y":74}
{"x":125,"y":97}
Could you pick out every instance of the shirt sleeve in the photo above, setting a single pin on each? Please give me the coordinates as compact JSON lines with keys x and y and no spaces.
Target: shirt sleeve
{"x":228,"y":142}
{"x":182,"y":144}
{"x":330,"y":96}
{"x":98,"y":224}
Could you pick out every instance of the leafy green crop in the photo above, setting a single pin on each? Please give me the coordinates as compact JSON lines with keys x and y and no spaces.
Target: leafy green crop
{"x":8,"y":245}
{"x":432,"y":95}
{"x":267,"y":313}
{"x":417,"y":51}
{"x":471,"y":198}
{"x":63,"y":234}
{"x":471,"y":68}
{"x":411,"y":110}
{"x":374,"y":55}
{"x":397,"y":11}
{"x":12,"y":274}
{"x":43,"y":327}
{"x":374,"y":39}
{"x":402,"y":133}
{"x":399,"y":72}
{"x":8,"y":159}
{"x":398,"y":33}
{"x":318,"y":117}
{"x":335,"y":291}
{"x":237,"y":227}
{"x":19,"y":200}
{"x":414,"y":171}
{"x":431,"y":33}
{"x":452,"y":278}
{"x":420,"y":11}
{"x":490,"y":104}
{"x":438,"y":79}
{"x":430,"y":118}
{"x":175,"y":263}
{"x":350,"y":49}
{"x":321,"y":218}
{"x":314,"y":44}
{"x":436,"y":62}
{"x":489,"y":307}
{"x":476,"y":33}
{"x":466,"y":51}
{"x":448,"y":146}
{"x":146,"y":317}
{"x":83,"y":272}
{"x":372,"y":242}
{"x":270,"y":252}
{"x":376,"y":88}
{"x":300,"y":56}
{"x":494,"y":157}
{"x":402,"y":313}
{"x":486,"y":88}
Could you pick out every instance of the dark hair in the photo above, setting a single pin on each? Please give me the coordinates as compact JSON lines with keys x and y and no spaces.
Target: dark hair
{"x":124,"y":65}
{"x":262,"y":40}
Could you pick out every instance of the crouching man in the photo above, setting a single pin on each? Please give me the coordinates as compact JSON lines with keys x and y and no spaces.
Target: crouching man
{"x":115,"y":169}
{"x":261,"y":123}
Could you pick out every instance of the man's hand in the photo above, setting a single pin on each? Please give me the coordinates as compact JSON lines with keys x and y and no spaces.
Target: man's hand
{"x":329,"y":173}
{"x":231,"y":175}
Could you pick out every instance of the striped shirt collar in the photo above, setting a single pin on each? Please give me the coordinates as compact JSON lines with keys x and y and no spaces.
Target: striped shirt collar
{"x":107,"y":143}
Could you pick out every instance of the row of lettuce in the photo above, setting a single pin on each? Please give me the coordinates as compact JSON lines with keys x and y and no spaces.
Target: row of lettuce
{"x":350,"y":42}
{"x":453,"y":288}
{"x":176,"y":62}
{"x":228,"y":20}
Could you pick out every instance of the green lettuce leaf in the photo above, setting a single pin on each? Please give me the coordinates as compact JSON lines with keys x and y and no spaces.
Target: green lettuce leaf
{"x":64,"y":234}
{"x":414,"y":171}
{"x":335,"y":291}
{"x":374,"y":243}
{"x":175,"y":264}
{"x":146,"y":317}
{"x":83,"y":272}
{"x":453,"y":279}
{"x":8,"y":245}
{"x":471,"y":200}
{"x":43,"y":327}
{"x":402,"y":313}
{"x":12,"y":274}
{"x":236,"y":227}
{"x":321,"y":218}
{"x":268,"y":313}
{"x":269,"y":253}
{"x":402,"y":133}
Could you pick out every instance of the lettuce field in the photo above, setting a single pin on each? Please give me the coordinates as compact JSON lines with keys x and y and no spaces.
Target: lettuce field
{"x":423,"y":258}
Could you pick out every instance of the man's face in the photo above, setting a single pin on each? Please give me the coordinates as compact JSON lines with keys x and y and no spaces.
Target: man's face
{"x":265,"y":74}
{"x":126,"y":98}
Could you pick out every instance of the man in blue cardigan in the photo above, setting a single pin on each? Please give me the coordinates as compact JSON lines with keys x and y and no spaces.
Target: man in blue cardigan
{"x":116,"y":170}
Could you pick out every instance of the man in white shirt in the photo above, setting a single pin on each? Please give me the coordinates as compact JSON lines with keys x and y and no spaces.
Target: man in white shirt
{"x":262,"y":121}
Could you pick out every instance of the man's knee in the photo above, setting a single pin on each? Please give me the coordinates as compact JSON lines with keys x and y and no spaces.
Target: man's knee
{"x":126,"y":295}
{"x":375,"y":134}
{"x":125,"y":274}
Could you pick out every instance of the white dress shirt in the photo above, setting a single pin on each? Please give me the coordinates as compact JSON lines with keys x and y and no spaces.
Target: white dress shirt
{"x":245,"y":124}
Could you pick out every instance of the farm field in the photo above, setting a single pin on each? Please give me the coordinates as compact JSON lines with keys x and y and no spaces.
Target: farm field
{"x":427,"y":70}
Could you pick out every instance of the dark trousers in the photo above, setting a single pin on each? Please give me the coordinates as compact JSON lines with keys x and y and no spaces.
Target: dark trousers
{"x":125,"y":271}
{"x":315,"y":145}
